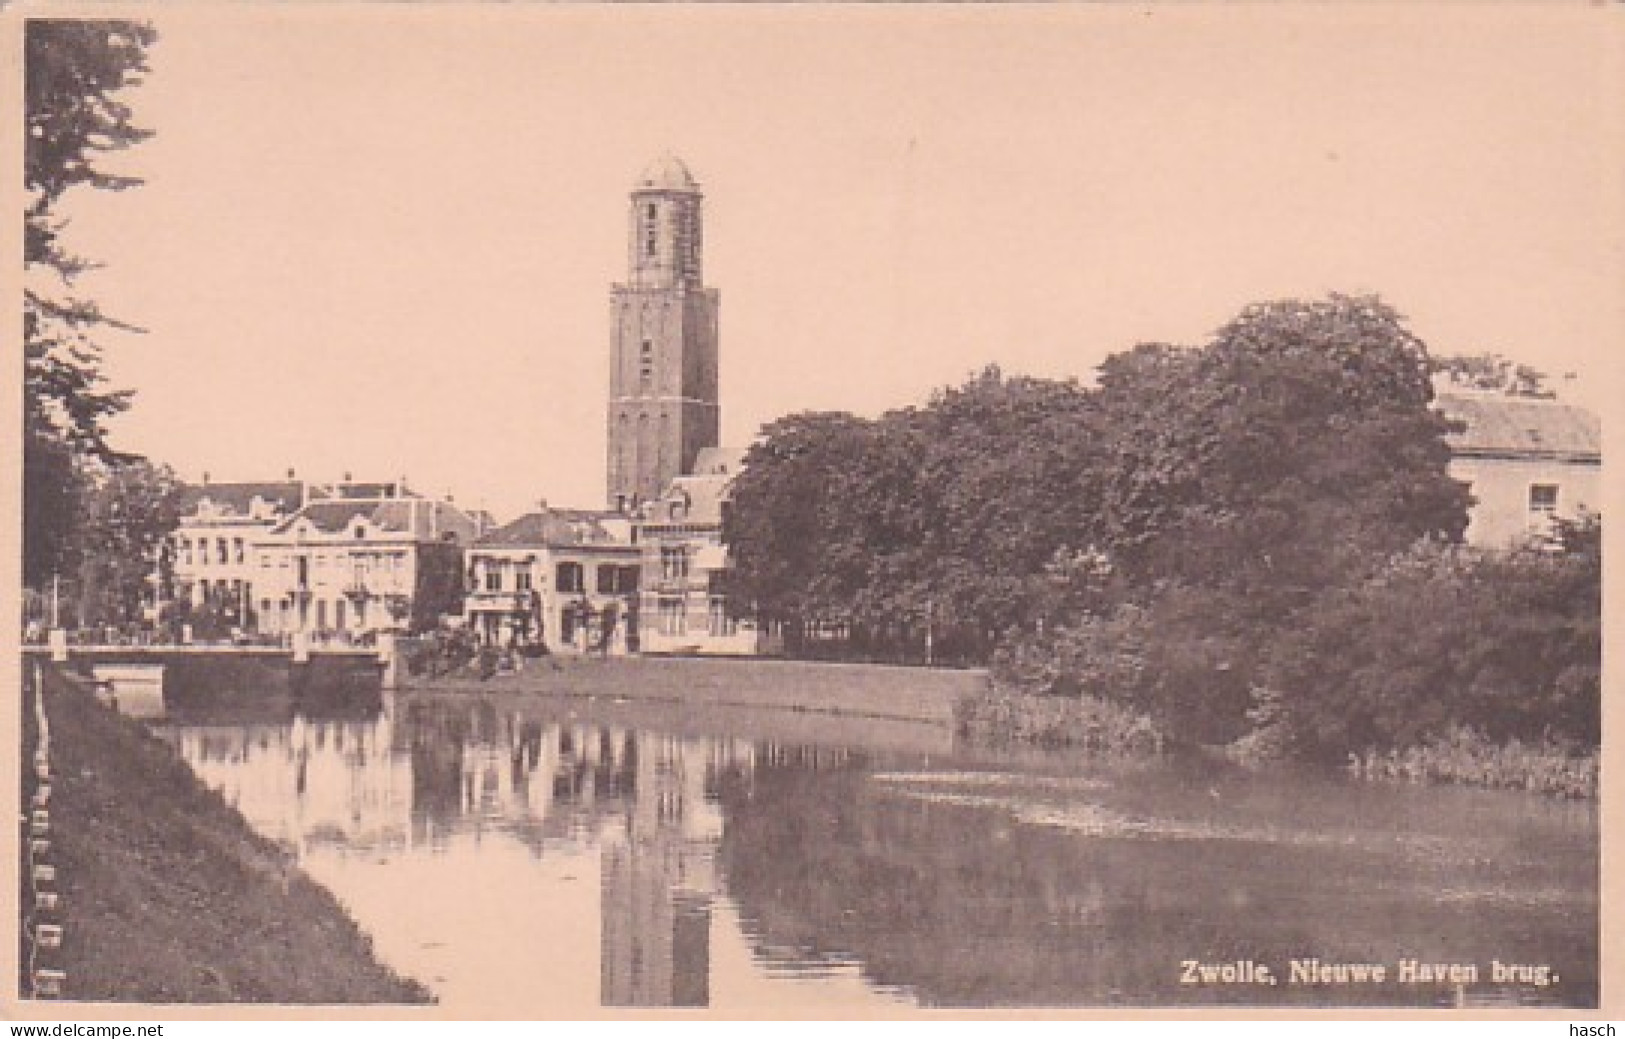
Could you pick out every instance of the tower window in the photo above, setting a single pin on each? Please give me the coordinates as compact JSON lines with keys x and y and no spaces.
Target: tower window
{"x":646,"y":363}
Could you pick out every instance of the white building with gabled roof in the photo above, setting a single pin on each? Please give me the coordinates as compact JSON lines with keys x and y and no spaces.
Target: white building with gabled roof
{"x":564,"y":578}
{"x":362,"y":559}
{"x":1527,"y":462}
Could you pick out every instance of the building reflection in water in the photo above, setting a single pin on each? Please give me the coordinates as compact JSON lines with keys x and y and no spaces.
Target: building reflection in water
{"x":422,"y":774}
{"x":308,"y":782}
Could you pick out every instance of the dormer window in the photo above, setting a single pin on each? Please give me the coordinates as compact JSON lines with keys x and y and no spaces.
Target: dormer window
{"x":360,"y":531}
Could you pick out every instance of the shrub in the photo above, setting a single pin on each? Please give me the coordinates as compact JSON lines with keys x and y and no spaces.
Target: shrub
{"x":1506,"y":644}
{"x":1180,"y":661}
{"x":1464,"y":755}
{"x":1003,"y":715}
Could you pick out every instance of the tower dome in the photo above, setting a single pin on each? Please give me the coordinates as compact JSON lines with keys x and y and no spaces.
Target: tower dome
{"x":666,"y":173}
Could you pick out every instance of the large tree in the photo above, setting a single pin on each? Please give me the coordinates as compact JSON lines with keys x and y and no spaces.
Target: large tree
{"x":1297,"y":443}
{"x":74,"y":72}
{"x":122,"y":537}
{"x":1294,"y":452}
{"x":781,"y":510}
{"x":943,"y":518}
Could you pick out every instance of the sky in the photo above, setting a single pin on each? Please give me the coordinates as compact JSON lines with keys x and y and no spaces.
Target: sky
{"x":380,"y":240}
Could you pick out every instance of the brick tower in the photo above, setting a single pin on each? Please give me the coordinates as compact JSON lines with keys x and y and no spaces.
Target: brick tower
{"x":663,"y":406}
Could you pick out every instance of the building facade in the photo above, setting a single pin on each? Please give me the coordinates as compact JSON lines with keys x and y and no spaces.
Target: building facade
{"x":1526,"y":461}
{"x":663,"y":404}
{"x":685,"y":606}
{"x":212,"y":551}
{"x":564,"y":578}
{"x":365,"y":558}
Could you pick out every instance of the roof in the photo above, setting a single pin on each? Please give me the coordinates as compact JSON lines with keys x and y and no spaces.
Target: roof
{"x":352,"y":489}
{"x":1506,"y":426}
{"x":238,"y":498}
{"x":666,"y":173}
{"x":691,"y":501}
{"x":423,"y":519}
{"x":719,"y":461}
{"x":552,"y":528}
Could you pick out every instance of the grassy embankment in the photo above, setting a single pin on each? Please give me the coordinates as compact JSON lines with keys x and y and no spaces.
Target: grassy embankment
{"x":167,"y":894}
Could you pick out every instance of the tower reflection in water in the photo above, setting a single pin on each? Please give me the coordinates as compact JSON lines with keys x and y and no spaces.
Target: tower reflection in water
{"x":423,"y":777}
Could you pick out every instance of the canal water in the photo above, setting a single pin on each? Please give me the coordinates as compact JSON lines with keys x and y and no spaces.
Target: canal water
{"x":536,"y":858}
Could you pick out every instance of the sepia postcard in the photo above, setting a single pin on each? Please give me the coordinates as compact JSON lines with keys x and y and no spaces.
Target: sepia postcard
{"x":813,"y":511}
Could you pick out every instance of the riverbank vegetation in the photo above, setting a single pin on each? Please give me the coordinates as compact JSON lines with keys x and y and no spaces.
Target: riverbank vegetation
{"x":1254,"y":543}
{"x":168,"y":896}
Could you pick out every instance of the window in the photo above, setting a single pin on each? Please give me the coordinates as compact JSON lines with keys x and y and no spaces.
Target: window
{"x":1542,"y":499}
{"x":493,"y":576}
{"x":617,"y":580}
{"x":672,"y":618}
{"x":521,"y":579}
{"x":237,"y":549}
{"x":186,"y":551}
{"x":571,"y":577}
{"x":221,"y":554}
{"x":674,"y":562}
{"x":1542,"y":507}
{"x":646,"y":363}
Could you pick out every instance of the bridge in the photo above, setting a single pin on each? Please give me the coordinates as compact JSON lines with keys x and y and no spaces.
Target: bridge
{"x":149,"y":680}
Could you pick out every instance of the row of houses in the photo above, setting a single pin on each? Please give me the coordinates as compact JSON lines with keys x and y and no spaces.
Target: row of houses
{"x":348,"y":560}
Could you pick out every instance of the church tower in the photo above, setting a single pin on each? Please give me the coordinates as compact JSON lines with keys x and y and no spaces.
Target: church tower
{"x":663,"y":405}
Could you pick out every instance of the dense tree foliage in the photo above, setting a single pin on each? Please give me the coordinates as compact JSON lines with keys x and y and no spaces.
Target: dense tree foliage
{"x":943,"y":518}
{"x":1257,"y":537}
{"x":121,"y":542}
{"x":1299,"y":438}
{"x":74,"y":72}
{"x":1508,"y":645}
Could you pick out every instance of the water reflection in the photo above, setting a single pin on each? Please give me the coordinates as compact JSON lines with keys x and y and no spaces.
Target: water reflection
{"x":555,"y":859}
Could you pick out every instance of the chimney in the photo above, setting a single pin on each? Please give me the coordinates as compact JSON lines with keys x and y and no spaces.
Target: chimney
{"x":347,"y":477}
{"x":291,"y":475}
{"x":205,"y":478}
